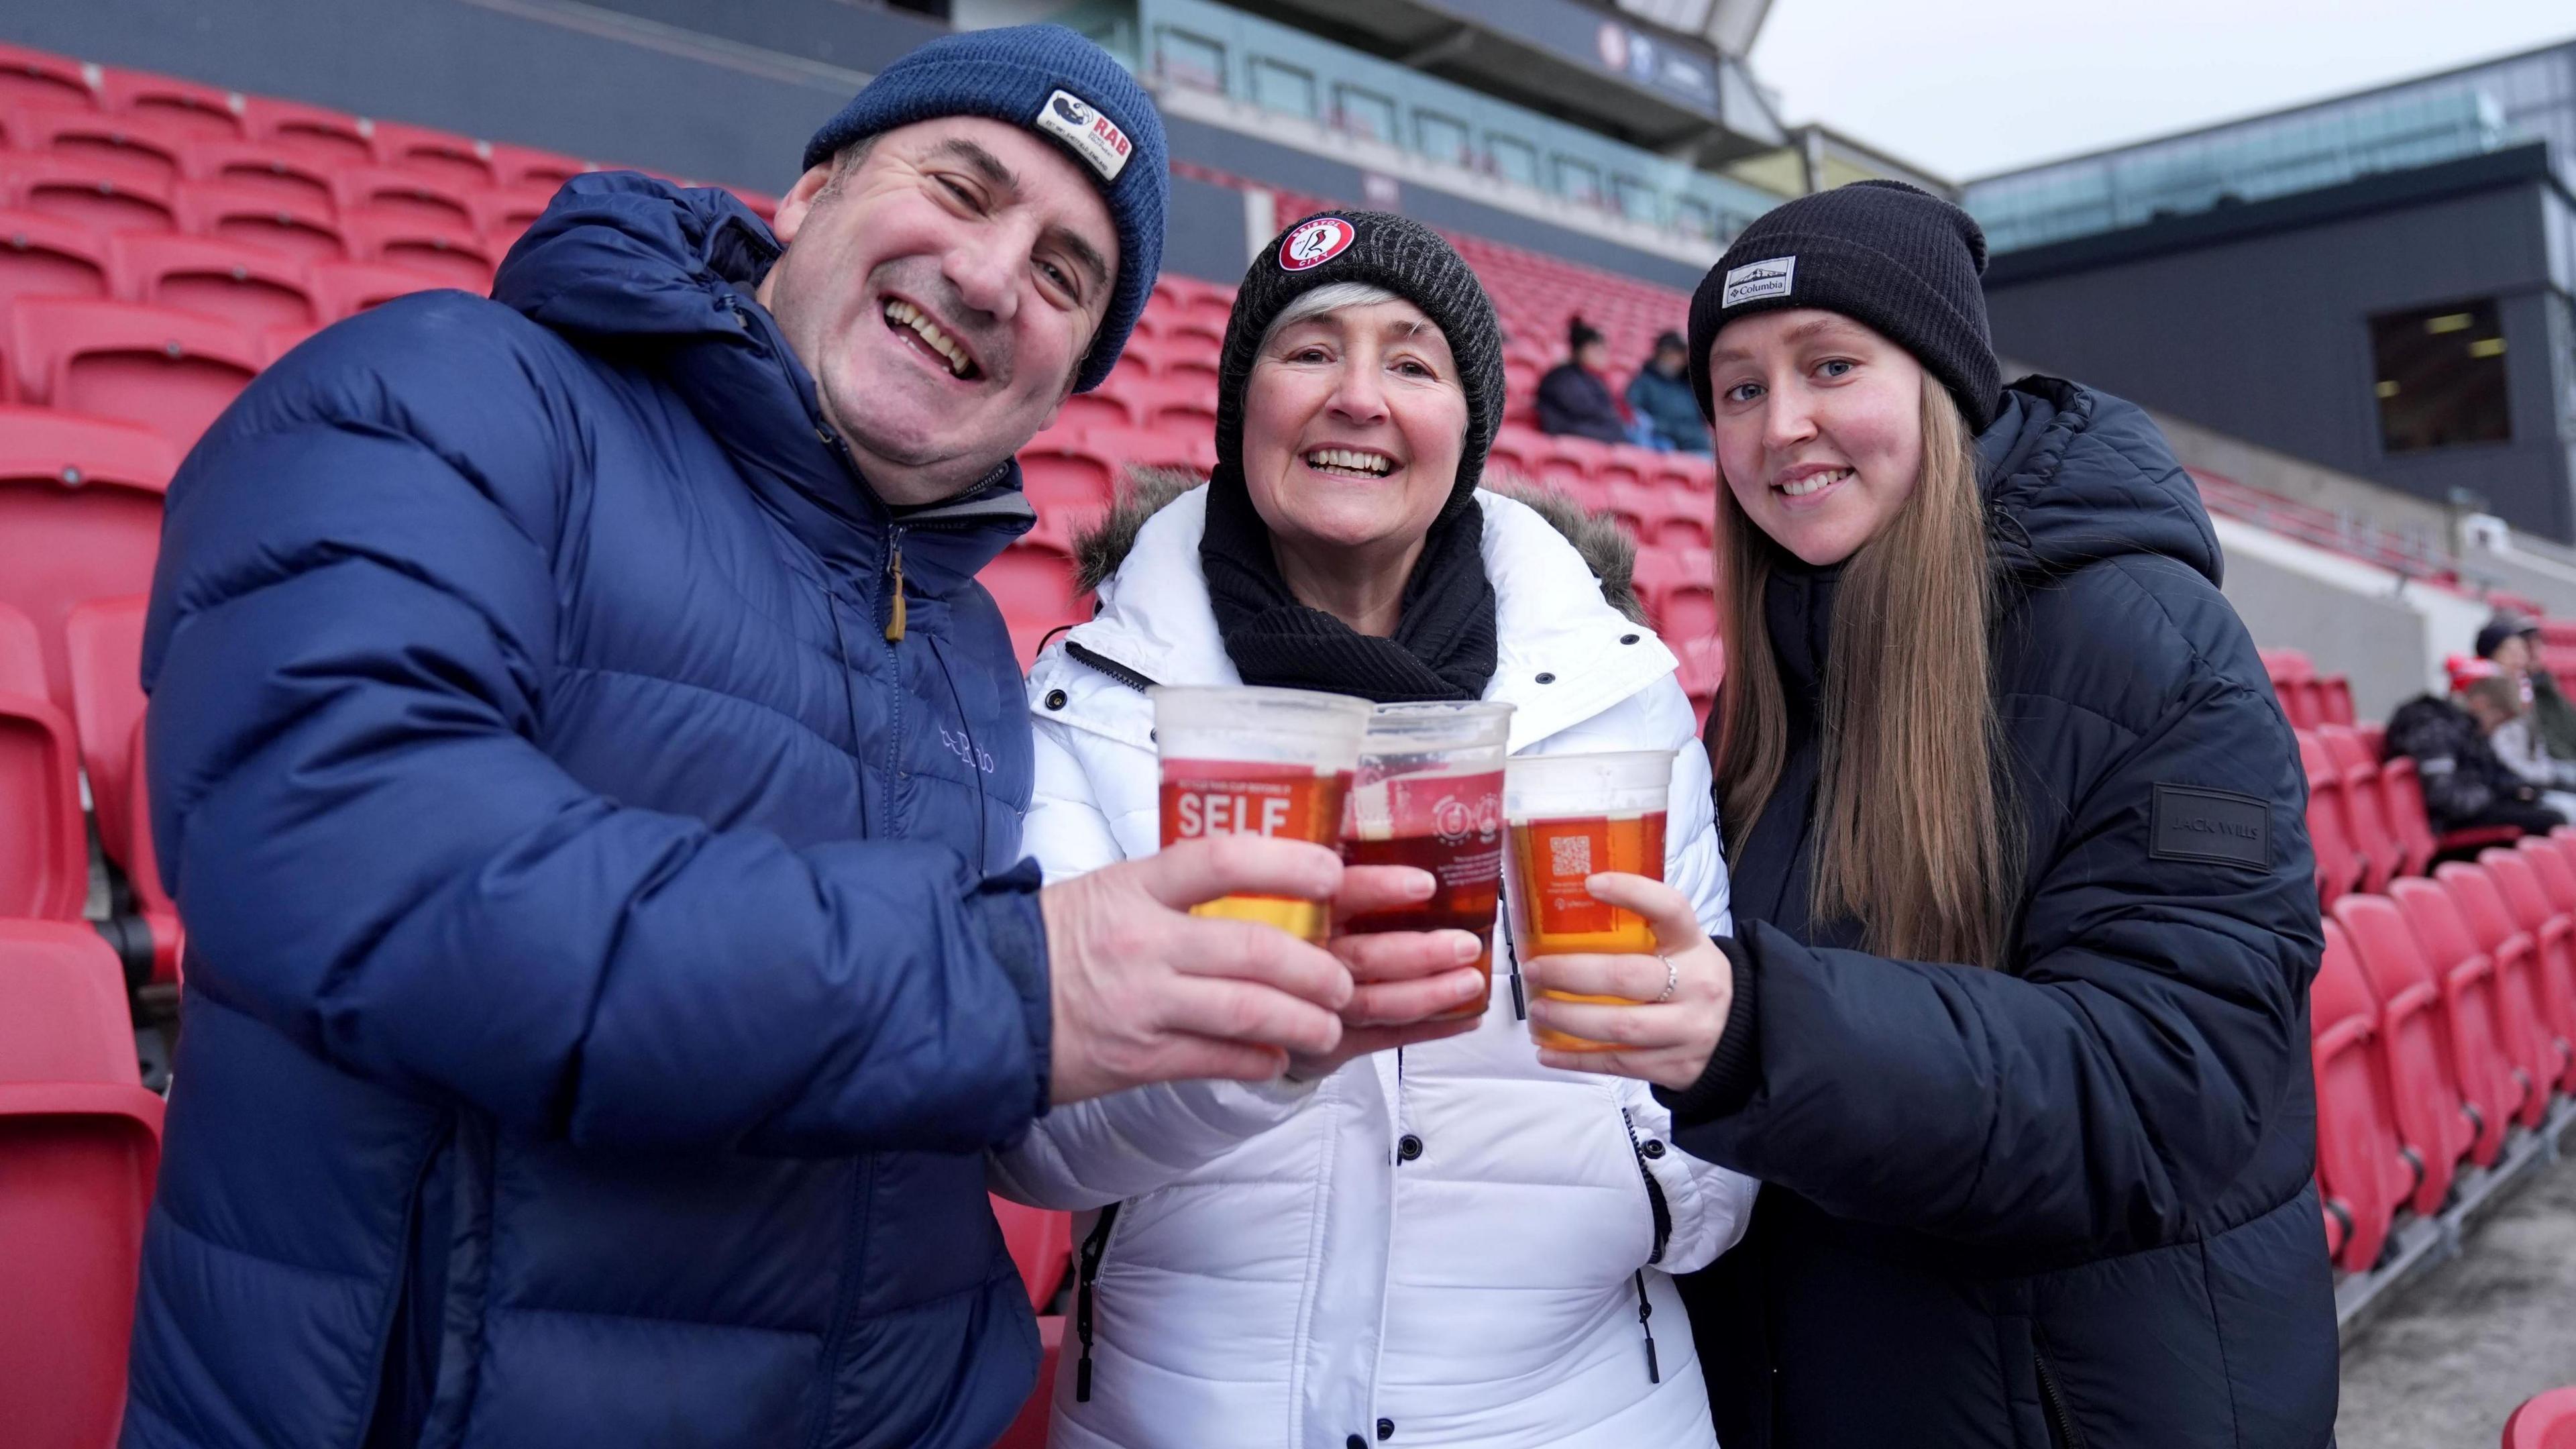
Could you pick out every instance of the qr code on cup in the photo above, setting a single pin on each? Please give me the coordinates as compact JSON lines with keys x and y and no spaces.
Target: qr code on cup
{"x":1570,"y":855}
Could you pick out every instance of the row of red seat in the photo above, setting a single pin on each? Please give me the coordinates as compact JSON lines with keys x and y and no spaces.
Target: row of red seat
{"x":2443,"y":1019}
{"x":2310,"y":699}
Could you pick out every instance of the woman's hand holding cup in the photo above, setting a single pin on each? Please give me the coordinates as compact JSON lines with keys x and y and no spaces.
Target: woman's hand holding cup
{"x":1401,"y":981}
{"x":1655,"y":1036}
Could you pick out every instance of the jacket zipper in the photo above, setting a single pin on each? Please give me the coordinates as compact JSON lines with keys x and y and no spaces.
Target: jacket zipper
{"x":1095,"y":1246}
{"x":1663,"y":1214}
{"x":1111,"y":667}
{"x":2061,"y":1424}
{"x":894,"y":589}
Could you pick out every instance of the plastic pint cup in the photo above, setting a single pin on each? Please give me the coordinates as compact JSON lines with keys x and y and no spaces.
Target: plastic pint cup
{"x":1571,"y":817}
{"x":1429,"y":794}
{"x":1273,"y":762}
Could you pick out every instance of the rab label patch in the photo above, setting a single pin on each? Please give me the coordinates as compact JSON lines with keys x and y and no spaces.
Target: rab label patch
{"x":1756,"y":280}
{"x":2192,"y":823}
{"x":1315,"y":243}
{"x":1094,"y":137}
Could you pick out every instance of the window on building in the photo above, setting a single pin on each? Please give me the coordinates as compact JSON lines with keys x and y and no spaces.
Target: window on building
{"x":1635,"y":199}
{"x":1578,"y":180}
{"x":1514,"y":158}
{"x":1277,"y":87}
{"x":1365,"y":113}
{"x":1192,"y":60}
{"x":1692,"y":217}
{"x":2440,"y":374}
{"x":1441,"y":138}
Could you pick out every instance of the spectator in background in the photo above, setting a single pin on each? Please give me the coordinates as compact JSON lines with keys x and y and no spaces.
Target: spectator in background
{"x":2512,"y":640}
{"x":1660,"y":396}
{"x":1574,"y":397}
{"x":592,"y":780}
{"x":2497,"y":704}
{"x":2465,"y":785}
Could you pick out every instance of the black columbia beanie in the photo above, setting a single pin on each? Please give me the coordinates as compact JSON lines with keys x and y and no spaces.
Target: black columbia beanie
{"x":1383,"y":250}
{"x":1892,"y":256}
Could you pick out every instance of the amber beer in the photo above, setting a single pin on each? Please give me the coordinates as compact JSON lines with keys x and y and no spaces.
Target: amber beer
{"x":1429,"y":794}
{"x":1273,"y":762}
{"x":1572,"y":817}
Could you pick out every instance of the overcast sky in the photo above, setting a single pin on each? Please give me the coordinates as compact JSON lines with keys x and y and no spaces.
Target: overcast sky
{"x":1965,"y":90}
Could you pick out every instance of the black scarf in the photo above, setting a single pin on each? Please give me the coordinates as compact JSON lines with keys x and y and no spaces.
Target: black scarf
{"x":1443,"y":647}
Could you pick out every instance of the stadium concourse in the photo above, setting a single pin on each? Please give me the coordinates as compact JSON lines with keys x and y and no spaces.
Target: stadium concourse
{"x":162,"y":241}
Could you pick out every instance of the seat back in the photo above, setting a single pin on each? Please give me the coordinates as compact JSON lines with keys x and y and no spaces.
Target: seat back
{"x":49,"y":256}
{"x":2533,"y":1050}
{"x":80,"y":518}
{"x":252,"y":287}
{"x":2424,"y":1093}
{"x":2401,"y":793}
{"x":80,"y":1141}
{"x":2545,"y":1421}
{"x":44,"y":849}
{"x":2516,"y":876}
{"x":2479,"y":1061}
{"x":2373,"y":840}
{"x":2357,"y":1162}
{"x":2339,"y":869}
{"x":103,"y":642}
{"x":169,"y":370}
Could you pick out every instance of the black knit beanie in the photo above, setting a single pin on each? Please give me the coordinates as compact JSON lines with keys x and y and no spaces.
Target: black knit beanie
{"x":1383,"y":250}
{"x":1883,"y":253}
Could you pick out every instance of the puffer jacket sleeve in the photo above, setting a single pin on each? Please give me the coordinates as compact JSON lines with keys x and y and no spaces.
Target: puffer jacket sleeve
{"x":352,"y":632}
{"x":2105,"y":1090}
{"x":1112,"y":1148}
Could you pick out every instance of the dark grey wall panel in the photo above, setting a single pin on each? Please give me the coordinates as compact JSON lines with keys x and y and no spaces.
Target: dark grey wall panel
{"x":2264,"y":334}
{"x":1204,"y":237}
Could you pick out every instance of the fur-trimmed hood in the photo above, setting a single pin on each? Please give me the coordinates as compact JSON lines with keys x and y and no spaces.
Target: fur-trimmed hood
{"x":1101,"y":546}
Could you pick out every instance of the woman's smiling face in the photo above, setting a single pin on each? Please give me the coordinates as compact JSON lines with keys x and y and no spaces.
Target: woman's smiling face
{"x":1819,"y":428}
{"x":1353,"y":425}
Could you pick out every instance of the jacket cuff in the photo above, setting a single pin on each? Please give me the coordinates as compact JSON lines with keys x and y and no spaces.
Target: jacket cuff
{"x":1735,"y":1067}
{"x":1004,"y":912}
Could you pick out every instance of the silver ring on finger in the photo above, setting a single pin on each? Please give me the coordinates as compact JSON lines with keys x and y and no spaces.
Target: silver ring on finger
{"x":1672,"y":981}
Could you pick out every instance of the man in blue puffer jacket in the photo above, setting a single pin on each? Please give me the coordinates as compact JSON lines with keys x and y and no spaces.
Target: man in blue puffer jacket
{"x":591,"y":777}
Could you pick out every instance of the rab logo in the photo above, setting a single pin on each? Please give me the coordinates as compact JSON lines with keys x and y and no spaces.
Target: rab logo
{"x":1315,"y":243}
{"x":1090,"y":135}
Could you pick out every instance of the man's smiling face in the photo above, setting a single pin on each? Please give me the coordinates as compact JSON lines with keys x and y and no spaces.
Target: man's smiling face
{"x":943,"y":287}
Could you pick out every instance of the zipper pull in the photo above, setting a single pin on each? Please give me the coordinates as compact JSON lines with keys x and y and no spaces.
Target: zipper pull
{"x":894,"y":617}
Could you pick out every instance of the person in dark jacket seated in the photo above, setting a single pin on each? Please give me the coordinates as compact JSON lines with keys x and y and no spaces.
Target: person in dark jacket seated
{"x":1573,"y":398}
{"x":591,"y":777}
{"x":2013,"y":1026}
{"x":2466,"y":785}
{"x":1660,"y":396}
{"x":2512,"y":640}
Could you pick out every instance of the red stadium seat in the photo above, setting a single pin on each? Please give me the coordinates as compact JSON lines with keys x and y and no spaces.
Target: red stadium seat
{"x":1679,"y":587}
{"x":2365,"y":804}
{"x":1144,"y":448}
{"x":103,"y":644}
{"x":1703,"y":670}
{"x":49,"y":256}
{"x":251,"y":287}
{"x":143,"y":870}
{"x":424,"y":200}
{"x":1059,"y":473}
{"x":2334,"y":700}
{"x":295,"y":225}
{"x":2515,"y":875}
{"x":519,"y":166}
{"x":80,"y":1142}
{"x":2294,"y":682}
{"x":144,"y":148}
{"x":1033,"y":584}
{"x":457,"y":257}
{"x":267,"y":167}
{"x":2437,"y":1126}
{"x":503,"y":215}
{"x":440,"y":155}
{"x":2544,"y":1421}
{"x":1100,"y":409}
{"x":44,"y":848}
{"x":170,"y":370}
{"x":199,"y":110}
{"x":1041,"y":1243}
{"x":2479,"y":1063}
{"x":315,"y":135}
{"x":2339,"y":868}
{"x":345,"y":289}
{"x":36,"y":80}
{"x":2363,"y":1178}
{"x":2538,"y":1059}
{"x":1029,"y":1429}
{"x":80,"y":518}
{"x":74,"y":188}
{"x":2401,"y":796}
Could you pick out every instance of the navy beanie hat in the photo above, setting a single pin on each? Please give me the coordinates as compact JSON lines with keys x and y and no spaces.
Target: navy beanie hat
{"x":1060,"y":86}
{"x":1892,"y":256}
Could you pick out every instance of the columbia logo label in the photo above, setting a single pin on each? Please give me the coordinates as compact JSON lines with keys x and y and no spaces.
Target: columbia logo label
{"x":1756,"y":280}
{"x":1090,"y":135}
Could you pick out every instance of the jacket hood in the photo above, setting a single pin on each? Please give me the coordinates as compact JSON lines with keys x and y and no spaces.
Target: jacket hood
{"x":631,"y":267}
{"x":2074,"y":476}
{"x":1100,"y":547}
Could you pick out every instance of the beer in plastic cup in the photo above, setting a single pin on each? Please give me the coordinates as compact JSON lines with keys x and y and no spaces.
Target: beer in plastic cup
{"x":1242,"y":761}
{"x":1429,"y":794}
{"x":1572,"y":817}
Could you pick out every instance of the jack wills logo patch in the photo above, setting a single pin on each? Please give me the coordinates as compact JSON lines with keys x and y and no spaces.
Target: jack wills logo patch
{"x":2191,"y":823}
{"x":1094,"y":137}
{"x":1756,"y":280}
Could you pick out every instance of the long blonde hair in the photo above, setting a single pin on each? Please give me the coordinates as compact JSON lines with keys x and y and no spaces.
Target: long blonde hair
{"x":1915,"y":833}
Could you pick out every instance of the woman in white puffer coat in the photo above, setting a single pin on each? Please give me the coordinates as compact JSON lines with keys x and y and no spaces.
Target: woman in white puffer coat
{"x":1445,"y":1244}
